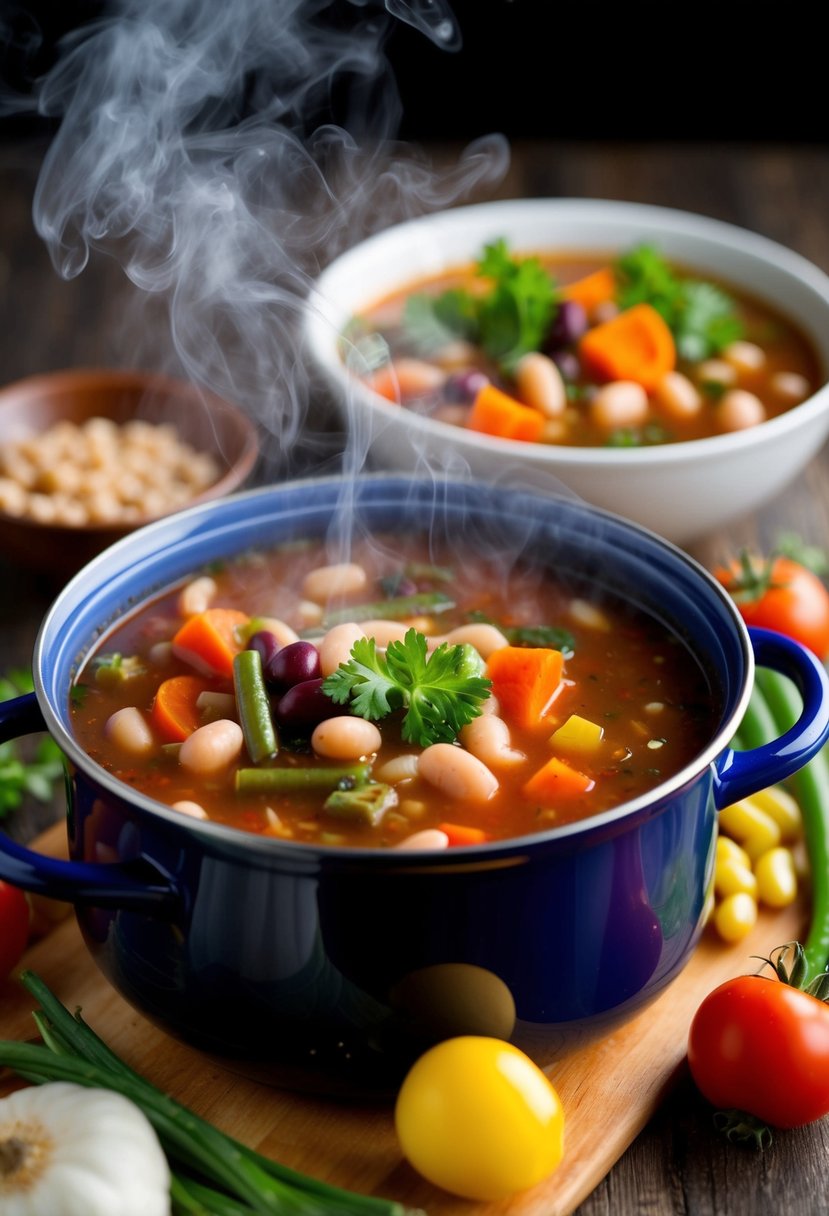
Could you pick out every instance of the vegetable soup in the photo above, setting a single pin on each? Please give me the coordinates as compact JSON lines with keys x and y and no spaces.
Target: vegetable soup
{"x":399,"y":699}
{"x":582,"y":349}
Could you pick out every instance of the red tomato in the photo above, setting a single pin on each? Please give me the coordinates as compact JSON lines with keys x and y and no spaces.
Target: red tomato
{"x":15,"y":918}
{"x":761,"y":1046}
{"x":784,"y":596}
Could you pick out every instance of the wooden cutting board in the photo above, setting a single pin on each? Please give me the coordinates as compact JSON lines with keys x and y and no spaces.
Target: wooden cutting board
{"x":609,"y":1089}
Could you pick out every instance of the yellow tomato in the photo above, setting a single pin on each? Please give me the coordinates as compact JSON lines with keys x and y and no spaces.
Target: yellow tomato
{"x":477,"y":1117}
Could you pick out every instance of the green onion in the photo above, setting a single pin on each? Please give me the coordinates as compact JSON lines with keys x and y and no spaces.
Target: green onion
{"x":254,"y":706}
{"x":230,"y":1179}
{"x":269,"y":780}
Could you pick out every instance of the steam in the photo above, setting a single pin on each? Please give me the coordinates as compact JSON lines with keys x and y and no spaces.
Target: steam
{"x":189,"y":149}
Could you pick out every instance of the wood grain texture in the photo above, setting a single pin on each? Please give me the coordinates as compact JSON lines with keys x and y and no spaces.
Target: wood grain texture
{"x":677,"y":1165}
{"x":610,"y":1088}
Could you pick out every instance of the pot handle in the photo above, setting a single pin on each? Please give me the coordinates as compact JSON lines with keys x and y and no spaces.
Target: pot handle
{"x":739,"y":774}
{"x":134,"y":886}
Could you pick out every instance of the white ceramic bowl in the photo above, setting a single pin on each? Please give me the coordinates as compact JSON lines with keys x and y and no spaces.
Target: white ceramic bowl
{"x":681,"y":490}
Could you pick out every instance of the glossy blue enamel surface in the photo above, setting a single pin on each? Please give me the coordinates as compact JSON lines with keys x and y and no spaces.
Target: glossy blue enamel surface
{"x":334,"y":967}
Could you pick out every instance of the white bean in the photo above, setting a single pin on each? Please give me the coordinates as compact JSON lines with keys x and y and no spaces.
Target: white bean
{"x":485,"y":638}
{"x":457,"y":773}
{"x":345,"y":738}
{"x":540,"y":385}
{"x":490,"y":706}
{"x":344,"y":578}
{"x":738,"y":410}
{"x":384,"y":632}
{"x":335,"y":647}
{"x":128,"y":729}
{"x":190,"y":808}
{"x":622,"y":403}
{"x":212,"y":747}
{"x":429,"y":838}
{"x":745,"y":356}
{"x":488,"y":738}
{"x":790,"y":387}
{"x":716,"y":371}
{"x":398,"y":769}
{"x":283,"y":632}
{"x":677,"y":396}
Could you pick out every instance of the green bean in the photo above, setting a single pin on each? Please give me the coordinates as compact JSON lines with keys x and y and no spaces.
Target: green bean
{"x":391,"y":610}
{"x":253,"y":706}
{"x":274,"y":780}
{"x":810,"y":786}
{"x":758,"y":725}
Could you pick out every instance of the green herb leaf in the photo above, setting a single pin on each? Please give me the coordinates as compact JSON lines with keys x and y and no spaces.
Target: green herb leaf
{"x":508,"y":321}
{"x":19,"y":777}
{"x":701,"y":316}
{"x":438,"y":691}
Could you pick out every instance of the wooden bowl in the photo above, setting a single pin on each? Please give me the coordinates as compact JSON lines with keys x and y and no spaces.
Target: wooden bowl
{"x":204,"y":421}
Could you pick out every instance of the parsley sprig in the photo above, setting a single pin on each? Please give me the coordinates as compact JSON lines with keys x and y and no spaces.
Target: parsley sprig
{"x":20,"y":777}
{"x":440,"y":692}
{"x":507,"y":321}
{"x":701,"y":316}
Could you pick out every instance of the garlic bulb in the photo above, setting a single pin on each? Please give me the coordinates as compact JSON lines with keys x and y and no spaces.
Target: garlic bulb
{"x":66,"y":1150}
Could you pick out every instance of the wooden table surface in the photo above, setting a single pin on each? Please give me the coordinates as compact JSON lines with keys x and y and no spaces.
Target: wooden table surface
{"x":678,"y":1164}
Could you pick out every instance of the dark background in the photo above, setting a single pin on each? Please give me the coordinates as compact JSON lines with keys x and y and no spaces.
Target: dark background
{"x":537,"y":69}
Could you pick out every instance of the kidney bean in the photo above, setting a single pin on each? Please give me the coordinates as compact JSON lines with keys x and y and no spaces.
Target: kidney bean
{"x":462,"y":387}
{"x":293,"y":664}
{"x":267,"y":645}
{"x":304,"y":705}
{"x":569,"y":323}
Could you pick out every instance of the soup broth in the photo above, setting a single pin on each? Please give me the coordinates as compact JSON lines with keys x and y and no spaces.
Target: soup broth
{"x":574,"y":706}
{"x":587,"y":350}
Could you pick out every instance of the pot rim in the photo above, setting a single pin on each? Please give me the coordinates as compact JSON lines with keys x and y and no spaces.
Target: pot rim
{"x":614,"y":819}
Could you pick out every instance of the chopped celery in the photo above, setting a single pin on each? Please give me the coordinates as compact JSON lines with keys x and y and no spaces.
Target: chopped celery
{"x":365,"y":803}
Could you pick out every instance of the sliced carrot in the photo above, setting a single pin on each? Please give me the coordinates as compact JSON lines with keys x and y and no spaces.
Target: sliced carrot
{"x":635,"y":345}
{"x":208,"y":641}
{"x":496,"y":413}
{"x":459,"y":833}
{"x":556,"y":780}
{"x":592,"y":290}
{"x":524,"y":681}
{"x":175,"y":714}
{"x":404,"y":379}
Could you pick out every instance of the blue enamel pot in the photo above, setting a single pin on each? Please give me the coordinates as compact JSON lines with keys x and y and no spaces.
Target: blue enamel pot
{"x":331,"y":968}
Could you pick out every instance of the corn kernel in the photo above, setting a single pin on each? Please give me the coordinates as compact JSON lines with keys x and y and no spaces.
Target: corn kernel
{"x":731,"y":876}
{"x":751,"y":826}
{"x":735,"y":917}
{"x":578,"y":734}
{"x":728,"y":848}
{"x":783,"y":808}
{"x":776,"y":878}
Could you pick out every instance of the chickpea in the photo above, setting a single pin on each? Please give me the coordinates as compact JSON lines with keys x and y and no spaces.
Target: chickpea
{"x":129,"y":731}
{"x":344,"y":578}
{"x":345,"y":738}
{"x":212,"y":747}
{"x":457,"y":773}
